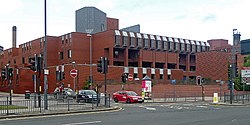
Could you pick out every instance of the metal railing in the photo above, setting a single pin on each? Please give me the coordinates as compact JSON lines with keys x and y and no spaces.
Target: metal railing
{"x":32,"y":104}
{"x":239,"y":97}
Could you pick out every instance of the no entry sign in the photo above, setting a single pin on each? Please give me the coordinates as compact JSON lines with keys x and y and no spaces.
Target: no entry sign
{"x":130,"y":77}
{"x":73,"y":73}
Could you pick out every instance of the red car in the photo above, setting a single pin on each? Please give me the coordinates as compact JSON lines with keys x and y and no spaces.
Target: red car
{"x":127,"y":96}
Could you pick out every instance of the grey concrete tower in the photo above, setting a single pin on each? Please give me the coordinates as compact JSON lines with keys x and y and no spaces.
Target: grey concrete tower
{"x":90,"y":18}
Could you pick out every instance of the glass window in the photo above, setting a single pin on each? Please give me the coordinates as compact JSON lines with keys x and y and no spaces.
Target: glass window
{"x":23,"y":60}
{"x":117,"y":40}
{"x":145,"y":43}
{"x":152,"y":44}
{"x":139,"y":42}
{"x":158,"y":44}
{"x":61,"y":55}
{"x":69,"y":53}
{"x":125,"y":40}
{"x":131,"y":41}
{"x":161,"y":76}
{"x":182,"y":46}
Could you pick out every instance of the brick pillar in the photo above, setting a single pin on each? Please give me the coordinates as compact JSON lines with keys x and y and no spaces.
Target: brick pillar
{"x":177,"y":60}
{"x":140,"y":58}
{"x":111,"y":56}
{"x":188,"y":62}
{"x":154,"y":59}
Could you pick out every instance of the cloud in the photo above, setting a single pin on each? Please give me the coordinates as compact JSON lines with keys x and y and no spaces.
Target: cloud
{"x":209,"y":18}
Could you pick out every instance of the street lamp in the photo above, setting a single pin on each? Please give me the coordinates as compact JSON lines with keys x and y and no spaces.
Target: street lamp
{"x":90,"y":55}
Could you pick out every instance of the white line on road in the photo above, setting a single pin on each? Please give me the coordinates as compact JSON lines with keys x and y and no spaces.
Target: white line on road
{"x":148,"y":108}
{"x":83,"y":123}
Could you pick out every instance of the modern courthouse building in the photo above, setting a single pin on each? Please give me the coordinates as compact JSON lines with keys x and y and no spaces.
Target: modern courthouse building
{"x":160,"y":57}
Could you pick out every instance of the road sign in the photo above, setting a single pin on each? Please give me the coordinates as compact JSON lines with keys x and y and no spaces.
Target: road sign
{"x":130,"y":77}
{"x":73,"y":73}
{"x":245,"y":72}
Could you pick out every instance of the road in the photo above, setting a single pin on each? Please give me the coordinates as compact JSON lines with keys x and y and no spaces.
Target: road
{"x":149,"y":114}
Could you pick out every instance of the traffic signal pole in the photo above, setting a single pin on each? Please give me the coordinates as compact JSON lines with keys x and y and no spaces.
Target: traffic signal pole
{"x":45,"y":59}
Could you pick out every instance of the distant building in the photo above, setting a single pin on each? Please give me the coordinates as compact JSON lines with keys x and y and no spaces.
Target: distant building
{"x":90,"y":18}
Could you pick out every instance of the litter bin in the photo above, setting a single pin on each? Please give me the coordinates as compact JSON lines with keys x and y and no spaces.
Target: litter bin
{"x":27,"y":94}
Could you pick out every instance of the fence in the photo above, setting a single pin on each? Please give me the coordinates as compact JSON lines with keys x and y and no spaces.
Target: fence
{"x":19,"y":105}
{"x":238,"y":97}
{"x":177,"y":97}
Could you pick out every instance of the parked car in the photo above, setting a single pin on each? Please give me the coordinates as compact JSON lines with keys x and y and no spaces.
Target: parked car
{"x":87,"y":96}
{"x":127,"y":96}
{"x":66,"y":92}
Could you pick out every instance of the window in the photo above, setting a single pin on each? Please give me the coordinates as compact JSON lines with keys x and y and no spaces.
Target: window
{"x":62,"y":39}
{"x":125,"y":41}
{"x":135,"y":75}
{"x":170,"y":46}
{"x":145,"y":43}
{"x":152,"y":76}
{"x":139,"y":42}
{"x":131,"y":42}
{"x":161,"y":76}
{"x":152,"y":43}
{"x":158,"y":44}
{"x":69,"y":53}
{"x":117,"y":40}
{"x":23,"y":60}
{"x":61,"y":55}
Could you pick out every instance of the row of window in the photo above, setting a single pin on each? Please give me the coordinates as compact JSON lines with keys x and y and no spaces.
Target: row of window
{"x":171,"y":44}
{"x":66,"y":38}
{"x":69,"y":52}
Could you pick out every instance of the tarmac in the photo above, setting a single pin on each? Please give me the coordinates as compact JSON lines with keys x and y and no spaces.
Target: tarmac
{"x":99,"y":109}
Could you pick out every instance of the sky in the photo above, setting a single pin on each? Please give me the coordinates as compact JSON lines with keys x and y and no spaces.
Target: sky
{"x":189,"y":19}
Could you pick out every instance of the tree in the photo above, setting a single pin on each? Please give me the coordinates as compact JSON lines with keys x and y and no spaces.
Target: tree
{"x":246,"y":61}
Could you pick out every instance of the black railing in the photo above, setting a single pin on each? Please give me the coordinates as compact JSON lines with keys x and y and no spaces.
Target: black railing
{"x":22,"y":105}
{"x":239,"y":97}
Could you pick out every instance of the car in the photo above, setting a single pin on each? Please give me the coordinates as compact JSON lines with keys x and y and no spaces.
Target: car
{"x":127,"y":96}
{"x":87,"y":96}
{"x":66,"y":92}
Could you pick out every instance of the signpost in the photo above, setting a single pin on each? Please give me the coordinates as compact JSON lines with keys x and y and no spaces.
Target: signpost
{"x":73,"y":74}
{"x":130,"y":77}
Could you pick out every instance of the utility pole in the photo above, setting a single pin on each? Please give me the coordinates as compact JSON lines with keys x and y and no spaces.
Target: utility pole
{"x":45,"y":59}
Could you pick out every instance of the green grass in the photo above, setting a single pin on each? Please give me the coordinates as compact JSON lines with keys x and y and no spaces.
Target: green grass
{"x":4,"y":107}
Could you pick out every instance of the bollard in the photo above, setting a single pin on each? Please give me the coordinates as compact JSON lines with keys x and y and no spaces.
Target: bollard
{"x":68,"y":103}
{"x":92,"y":101}
{"x":109,"y":100}
{"x":7,"y":105}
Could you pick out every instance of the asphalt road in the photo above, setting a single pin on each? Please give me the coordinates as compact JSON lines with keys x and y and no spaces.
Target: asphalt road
{"x":149,"y":114}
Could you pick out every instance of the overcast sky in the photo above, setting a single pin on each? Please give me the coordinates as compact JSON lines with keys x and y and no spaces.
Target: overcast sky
{"x":190,"y":19}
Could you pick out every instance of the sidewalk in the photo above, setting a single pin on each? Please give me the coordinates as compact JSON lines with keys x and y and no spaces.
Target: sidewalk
{"x":47,"y":113}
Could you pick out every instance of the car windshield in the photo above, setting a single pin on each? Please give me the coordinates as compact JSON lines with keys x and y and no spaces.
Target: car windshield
{"x":132,"y":93}
{"x":90,"y":92}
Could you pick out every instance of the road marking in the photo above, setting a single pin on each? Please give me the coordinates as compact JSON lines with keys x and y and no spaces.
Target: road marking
{"x":148,"y":108}
{"x":83,"y":123}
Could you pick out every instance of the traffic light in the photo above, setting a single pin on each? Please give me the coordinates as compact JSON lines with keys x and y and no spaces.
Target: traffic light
{"x":39,"y":64}
{"x":124,"y":77}
{"x":10,"y":73}
{"x":198,"y":80}
{"x":3,"y":74}
{"x":33,"y":63}
{"x":102,"y":65}
{"x":236,"y":72}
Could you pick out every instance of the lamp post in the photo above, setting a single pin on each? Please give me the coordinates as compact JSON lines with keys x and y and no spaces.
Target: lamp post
{"x":74,"y":65}
{"x":232,"y":74}
{"x":90,"y":55}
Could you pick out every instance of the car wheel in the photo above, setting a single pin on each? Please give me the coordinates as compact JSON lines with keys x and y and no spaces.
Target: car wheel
{"x":116,"y":100}
{"x":128,"y":100}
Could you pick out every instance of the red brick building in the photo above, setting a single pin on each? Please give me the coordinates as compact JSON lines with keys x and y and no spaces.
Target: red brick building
{"x":162,"y":58}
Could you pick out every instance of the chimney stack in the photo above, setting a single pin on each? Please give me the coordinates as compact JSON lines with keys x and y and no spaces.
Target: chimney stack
{"x":14,"y":37}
